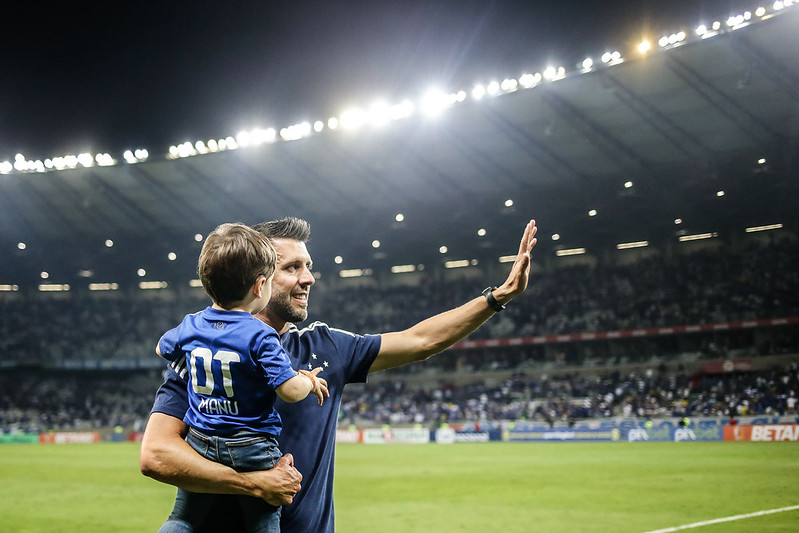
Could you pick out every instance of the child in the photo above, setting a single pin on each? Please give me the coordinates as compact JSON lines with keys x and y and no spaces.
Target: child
{"x":236,"y":368}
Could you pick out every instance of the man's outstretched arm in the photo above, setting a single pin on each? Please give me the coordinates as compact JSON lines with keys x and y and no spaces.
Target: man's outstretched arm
{"x":166,"y":457}
{"x":441,"y":331}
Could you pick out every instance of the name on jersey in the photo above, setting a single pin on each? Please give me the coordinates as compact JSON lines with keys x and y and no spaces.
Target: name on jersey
{"x":215,"y":406}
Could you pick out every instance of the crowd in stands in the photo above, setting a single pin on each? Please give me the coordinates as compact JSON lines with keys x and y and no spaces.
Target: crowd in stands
{"x":567,"y":398}
{"x":704,"y":287}
{"x":91,"y":400}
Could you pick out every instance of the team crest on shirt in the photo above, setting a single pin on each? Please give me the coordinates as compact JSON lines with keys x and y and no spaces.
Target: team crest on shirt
{"x":219,"y":325}
{"x":315,"y":357}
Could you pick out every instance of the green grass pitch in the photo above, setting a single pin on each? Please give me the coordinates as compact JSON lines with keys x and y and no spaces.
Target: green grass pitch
{"x":505,"y":487}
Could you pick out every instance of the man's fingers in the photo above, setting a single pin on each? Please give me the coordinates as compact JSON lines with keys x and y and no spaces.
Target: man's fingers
{"x":287,"y":458}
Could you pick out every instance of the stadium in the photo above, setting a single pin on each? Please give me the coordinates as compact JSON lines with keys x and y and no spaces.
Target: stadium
{"x":623,"y":391}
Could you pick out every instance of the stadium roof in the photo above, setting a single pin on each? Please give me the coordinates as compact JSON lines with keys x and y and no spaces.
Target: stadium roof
{"x":680,"y":123}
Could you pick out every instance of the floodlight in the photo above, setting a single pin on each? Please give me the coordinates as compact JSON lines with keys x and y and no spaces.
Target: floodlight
{"x":352,"y":118}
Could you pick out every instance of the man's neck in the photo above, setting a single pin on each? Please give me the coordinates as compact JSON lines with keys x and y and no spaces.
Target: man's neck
{"x":281,"y":326}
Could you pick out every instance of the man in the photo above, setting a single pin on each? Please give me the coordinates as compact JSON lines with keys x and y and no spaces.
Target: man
{"x":308,"y":439}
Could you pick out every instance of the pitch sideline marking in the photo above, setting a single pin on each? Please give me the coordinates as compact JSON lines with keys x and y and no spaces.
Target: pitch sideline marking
{"x":725,"y":519}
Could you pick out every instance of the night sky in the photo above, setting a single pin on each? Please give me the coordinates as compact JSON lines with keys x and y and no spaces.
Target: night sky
{"x":104,"y":77}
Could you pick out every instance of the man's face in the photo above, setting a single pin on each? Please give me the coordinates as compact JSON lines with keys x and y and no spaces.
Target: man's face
{"x":291,"y":283}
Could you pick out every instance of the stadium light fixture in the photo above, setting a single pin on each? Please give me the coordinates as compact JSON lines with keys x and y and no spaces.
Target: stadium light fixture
{"x":509,"y":85}
{"x":634,"y":244}
{"x":103,"y":286}
{"x":355,"y":272}
{"x":141,"y":272}
{"x":481,"y":232}
{"x":478,"y":92}
{"x":443,"y":249}
{"x":9,"y":288}
{"x":109,"y":243}
{"x":198,"y":237}
{"x":402,"y":269}
{"x":375,"y":244}
{"x":338,"y":260}
{"x":399,"y":217}
{"x":768,"y":227}
{"x":506,"y":258}
{"x":529,"y":81}
{"x":401,"y":110}
{"x":54,"y":287}
{"x":555,"y":236}
{"x":379,"y":114}
{"x":697,"y":237}
{"x":644,"y":46}
{"x":352,"y":118}
{"x":460,"y":263}
{"x":21,"y":245}
{"x":44,"y":275}
{"x":434,"y":102}
{"x":570,"y":251}
{"x":592,"y":212}
{"x":153,"y":285}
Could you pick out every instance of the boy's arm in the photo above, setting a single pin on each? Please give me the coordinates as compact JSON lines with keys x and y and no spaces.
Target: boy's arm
{"x":166,"y":457}
{"x":300,"y":386}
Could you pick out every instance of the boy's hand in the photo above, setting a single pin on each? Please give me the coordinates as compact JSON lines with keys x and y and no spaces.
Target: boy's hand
{"x":319,"y":384}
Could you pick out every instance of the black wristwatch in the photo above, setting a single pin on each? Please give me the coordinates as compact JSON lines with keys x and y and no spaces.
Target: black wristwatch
{"x":492,"y":302}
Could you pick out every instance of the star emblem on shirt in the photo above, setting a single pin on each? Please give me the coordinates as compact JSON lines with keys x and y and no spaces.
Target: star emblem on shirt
{"x":313,"y":356}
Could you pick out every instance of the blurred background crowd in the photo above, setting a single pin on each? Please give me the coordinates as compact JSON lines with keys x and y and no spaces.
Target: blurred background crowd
{"x":47,"y":340}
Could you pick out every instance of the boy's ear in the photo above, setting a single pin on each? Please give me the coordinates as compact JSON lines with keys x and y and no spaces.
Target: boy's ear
{"x":258,"y":287}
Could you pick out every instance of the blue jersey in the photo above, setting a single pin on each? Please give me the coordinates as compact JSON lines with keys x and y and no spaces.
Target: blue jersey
{"x":309,"y":431}
{"x":234,"y":364}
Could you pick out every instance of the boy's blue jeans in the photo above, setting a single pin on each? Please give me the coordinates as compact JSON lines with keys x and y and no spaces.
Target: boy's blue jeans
{"x":242,"y":452}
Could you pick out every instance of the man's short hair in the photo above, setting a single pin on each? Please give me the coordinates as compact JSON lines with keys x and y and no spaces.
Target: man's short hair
{"x":285,"y":228}
{"x":231,"y":259}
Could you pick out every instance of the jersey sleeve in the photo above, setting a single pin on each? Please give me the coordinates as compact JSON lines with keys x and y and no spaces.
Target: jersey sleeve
{"x":168,"y":344}
{"x":359,"y":351}
{"x":273,"y":359}
{"x":172,"y":397}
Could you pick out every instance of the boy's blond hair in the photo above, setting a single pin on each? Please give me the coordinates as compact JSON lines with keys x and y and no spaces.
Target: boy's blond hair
{"x":232,"y":258}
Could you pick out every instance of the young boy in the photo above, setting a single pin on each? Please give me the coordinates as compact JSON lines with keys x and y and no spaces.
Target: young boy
{"x":236,"y":368}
